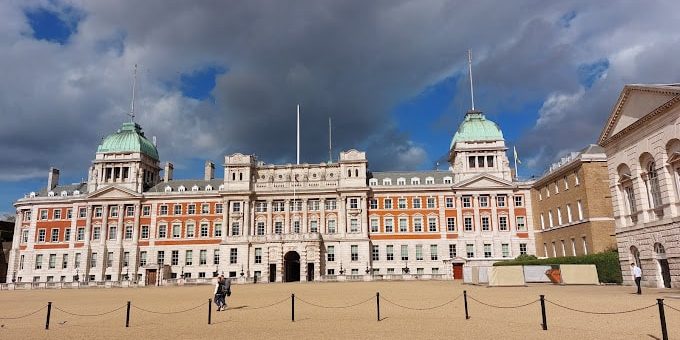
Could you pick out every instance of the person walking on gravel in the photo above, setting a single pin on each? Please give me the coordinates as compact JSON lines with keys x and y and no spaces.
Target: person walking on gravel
{"x":637,"y":276}
{"x":220,"y":293}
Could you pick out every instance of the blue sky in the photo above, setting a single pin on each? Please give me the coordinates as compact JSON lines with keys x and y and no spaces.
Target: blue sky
{"x":223,"y":78}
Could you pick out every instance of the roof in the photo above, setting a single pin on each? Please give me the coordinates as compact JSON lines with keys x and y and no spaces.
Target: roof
{"x":590,"y":153}
{"x":69,"y":188}
{"x":187,"y":184}
{"x":129,"y":138}
{"x":437,"y":175}
{"x":475,"y":127}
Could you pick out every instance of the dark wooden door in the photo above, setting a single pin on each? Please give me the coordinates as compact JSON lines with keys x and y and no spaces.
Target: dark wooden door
{"x":310,"y":272}
{"x":150,"y":277}
{"x":665,"y":273}
{"x":457,"y":271}
{"x":272,"y":272}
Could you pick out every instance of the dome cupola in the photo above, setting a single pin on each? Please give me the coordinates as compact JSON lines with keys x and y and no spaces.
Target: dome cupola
{"x":475,"y":127}
{"x":129,"y":138}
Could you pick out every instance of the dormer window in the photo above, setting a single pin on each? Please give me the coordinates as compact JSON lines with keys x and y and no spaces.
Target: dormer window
{"x":50,"y":194}
{"x":387,"y":181}
{"x":221,"y":187}
{"x":448,"y":180}
{"x":401,"y":181}
{"x":373,"y":182}
{"x":76,"y":192}
{"x":64,"y":193}
{"x":32,"y":194}
{"x":194,"y":188}
{"x":429,"y":180}
{"x":415,"y":181}
{"x":168,"y":188}
{"x":208,"y":188}
{"x":181,"y":188}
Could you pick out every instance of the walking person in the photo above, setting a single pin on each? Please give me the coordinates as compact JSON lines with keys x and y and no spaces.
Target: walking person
{"x":637,"y":276}
{"x":226,"y":283}
{"x":220,"y":293}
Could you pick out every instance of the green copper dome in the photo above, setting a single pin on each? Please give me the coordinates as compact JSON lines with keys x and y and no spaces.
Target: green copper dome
{"x":129,"y":138}
{"x":476,"y":127}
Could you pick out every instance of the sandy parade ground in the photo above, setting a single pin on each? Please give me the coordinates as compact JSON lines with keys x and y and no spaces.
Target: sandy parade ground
{"x":264,"y":311}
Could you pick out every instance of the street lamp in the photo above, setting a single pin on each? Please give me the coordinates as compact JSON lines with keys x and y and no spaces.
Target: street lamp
{"x":342,"y":271}
{"x":367,"y":270}
{"x":241,"y":270}
{"x":405,"y":269}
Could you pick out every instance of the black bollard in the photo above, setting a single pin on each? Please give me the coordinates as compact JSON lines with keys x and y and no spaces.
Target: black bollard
{"x":49,"y":311}
{"x":377,"y":303}
{"x":467,"y":316}
{"x":127,"y":316}
{"x":662,"y":318}
{"x":545,"y":321}
{"x":209,"y":311}
{"x":292,"y":307}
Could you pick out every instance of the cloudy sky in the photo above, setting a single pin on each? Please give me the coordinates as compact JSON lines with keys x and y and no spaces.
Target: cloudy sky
{"x":217,"y":77}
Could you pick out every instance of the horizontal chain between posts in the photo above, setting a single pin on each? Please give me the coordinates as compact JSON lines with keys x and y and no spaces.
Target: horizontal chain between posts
{"x":166,"y":313}
{"x":23,"y":316}
{"x":600,"y":313}
{"x":88,"y":315}
{"x":335,"y":307}
{"x":673,"y":308}
{"x":502,"y":307}
{"x":420,"y":308}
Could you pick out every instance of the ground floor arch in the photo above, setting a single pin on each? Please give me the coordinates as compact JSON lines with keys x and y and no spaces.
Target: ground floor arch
{"x":291,"y":267}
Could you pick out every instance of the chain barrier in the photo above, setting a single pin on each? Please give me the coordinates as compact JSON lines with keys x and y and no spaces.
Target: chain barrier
{"x":263,"y":307}
{"x":335,"y":307}
{"x":23,"y":316}
{"x":671,"y":307}
{"x":418,"y":308}
{"x":87,"y":315}
{"x":600,"y":313}
{"x":502,"y":307}
{"x":166,"y":313}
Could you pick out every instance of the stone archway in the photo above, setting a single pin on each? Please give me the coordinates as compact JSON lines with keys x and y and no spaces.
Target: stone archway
{"x":291,"y":267}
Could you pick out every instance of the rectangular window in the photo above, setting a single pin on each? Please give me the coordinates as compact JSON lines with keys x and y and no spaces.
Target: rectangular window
{"x":389,"y":250}
{"x":375,"y":253}
{"x":419,"y":252}
{"x":354,"y":203}
{"x":113,"y":211}
{"x":109,"y":259}
{"x":205,"y":208}
{"x":449,"y":202}
{"x":24,"y":236}
{"x":160,"y":258}
{"x":331,"y":204}
{"x":96,"y":233}
{"x":126,"y":259}
{"x":452,"y":251}
{"x":431,"y":202}
{"x":389,"y":225}
{"x":486,"y":225}
{"x":500,"y":201}
{"x":403,"y":224}
{"x":542,"y":221}
{"x":261,"y":206}
{"x":557,"y":188}
{"x":218,"y":229}
{"x":69,"y":213}
{"x":93,"y":259}
{"x":233,"y":255}
{"x":522,"y":248}
{"x":467,"y":202}
{"x":162,"y":231}
{"x":353,"y":225}
{"x":163,"y":210}
{"x":53,"y":261}
{"x":41,"y":235}
{"x":219,"y":208}
{"x":483,"y":201}
{"x":57,"y":214}
{"x":401,"y":203}
{"x":258,"y":255}
{"x":630,"y":196}
{"x":259,"y":226}
{"x":503,"y":223}
{"x":580,"y":210}
{"x":373,"y":203}
{"x":98,"y":212}
{"x":128,"y":232}
{"x":434,"y":252}
{"x":388,"y":203}
{"x":505,"y":249}
{"x":417,"y":224}
{"x":467,"y":223}
{"x":519,"y":201}
{"x":416,"y":203}
{"x":566,"y":183}
{"x":43,"y":214}
{"x":54,"y":235}
{"x":375,"y":224}
{"x":354,"y":252}
{"x":76,"y":263}
{"x":432,"y":224}
{"x":82,"y":212}
{"x":236,"y":206}
{"x":470,"y":250}
{"x":330,"y":253}
{"x":576,"y":180}
{"x":236,"y":228}
{"x":521,"y":225}
{"x":176,"y":230}
{"x":174,"y":257}
{"x":279,"y":206}
{"x":550,"y":218}
{"x":203,"y":257}
{"x":559,"y":216}
{"x":404,"y":252}
{"x":313,"y":205}
{"x":191,"y":209}
{"x":585,"y":245}
{"x":471,"y":162}
{"x":146,"y":210}
{"x":130,"y":211}
{"x":188,"y":257}
{"x":278,"y":227}
{"x":216,"y":256}
{"x":487,"y":250}
{"x":450,"y":224}
{"x":204,"y":230}
{"x":113,"y":233}
{"x":331,"y":226}
{"x":38,"y":261}
{"x":81,"y":234}
{"x":144,"y":232}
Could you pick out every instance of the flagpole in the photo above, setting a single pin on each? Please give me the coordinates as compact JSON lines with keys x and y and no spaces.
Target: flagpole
{"x":298,"y":134}
{"x":514,"y":151}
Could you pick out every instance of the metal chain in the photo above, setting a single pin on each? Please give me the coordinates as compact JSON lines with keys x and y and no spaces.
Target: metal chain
{"x":23,"y":316}
{"x":673,"y":308}
{"x":335,"y":307}
{"x":600,"y":313}
{"x":100,"y":314}
{"x":417,"y":308}
{"x":175,"y":312}
{"x":262,"y":307}
{"x":503,"y":307}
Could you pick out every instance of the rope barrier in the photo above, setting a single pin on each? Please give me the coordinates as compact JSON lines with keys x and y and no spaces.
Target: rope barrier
{"x":266,"y":306}
{"x":87,"y":315}
{"x":166,"y":313}
{"x":601,"y":313}
{"x":502,"y":307}
{"x":418,"y":308}
{"x":335,"y":307}
{"x":23,"y":316}
{"x":671,"y":307}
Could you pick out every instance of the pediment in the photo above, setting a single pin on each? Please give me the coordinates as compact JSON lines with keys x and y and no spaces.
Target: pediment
{"x":114,"y":192}
{"x":636,"y":103}
{"x":483,"y":181}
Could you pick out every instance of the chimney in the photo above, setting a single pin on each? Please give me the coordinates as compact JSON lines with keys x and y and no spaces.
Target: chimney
{"x":167,"y":174}
{"x":209,"y":172}
{"x":52,"y":179}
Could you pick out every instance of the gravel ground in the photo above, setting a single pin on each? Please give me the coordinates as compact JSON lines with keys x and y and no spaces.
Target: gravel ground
{"x":244,"y":320}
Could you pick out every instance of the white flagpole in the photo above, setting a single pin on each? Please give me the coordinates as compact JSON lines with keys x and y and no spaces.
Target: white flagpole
{"x":472,"y":91}
{"x":298,"y":134}
{"x":330,"y":141}
{"x":514,"y":155}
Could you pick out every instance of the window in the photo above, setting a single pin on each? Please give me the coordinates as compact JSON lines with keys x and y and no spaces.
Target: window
{"x":163,"y":210}
{"x":467,"y":202}
{"x":450,"y":224}
{"x":205,"y":208}
{"x":218,"y":229}
{"x":387,"y":181}
{"x":354,"y":225}
{"x":416,"y":203}
{"x":389,"y":250}
{"x":487,"y":250}
{"x":522,"y":248}
{"x":550,"y":218}
{"x":521,"y":225}
{"x":174,"y":257}
{"x":354,"y":250}
{"x":452,"y":251}
{"x":313,"y":205}
{"x":219,"y":208}
{"x":278,"y":227}
{"x":146,"y":210}
{"x":82,"y":212}
{"x":259,"y":228}
{"x":177,"y":209}
{"x":542,"y":221}
{"x":429,"y":180}
{"x":559,"y":216}
{"x":483,"y":201}
{"x":432,"y":224}
{"x":435,"y":271}
{"x":57,"y":214}
{"x":191,"y":210}
{"x":109,"y":259}
{"x":330,"y":253}
{"x":128,"y":232}
{"x":258,"y":255}
{"x":81,"y":234}
{"x":188,"y":257}
{"x":448,"y":180}
{"x":130,"y":211}
{"x":653,"y":186}
{"x":576,"y":180}
{"x":470,"y":250}
{"x":419,"y":252}
{"x":76,"y":263}
{"x":113,"y":230}
{"x":564,"y":250}
{"x":203,"y":257}
{"x":41,"y":235}
{"x":53,"y":261}
{"x":354,"y":203}
{"x":415,"y":181}
{"x":579,"y":206}
{"x":431,"y":202}
{"x":630,"y":197}
{"x":54,"y":235}
{"x":467,"y":223}
{"x":113,"y":211}
{"x":389,"y":225}
{"x":557,"y":188}
{"x":480,"y":161}
{"x":145,"y":232}
{"x":160,"y":258}
{"x":375,"y":225}
{"x":570,"y":218}
{"x":126,"y":259}
{"x":500,"y":201}
{"x":471,"y":162}
{"x":43,"y":214}
{"x":24,"y":236}
{"x":404,"y":252}
{"x":279,"y":206}
{"x":585,"y":245}
{"x":38,"y":261}
{"x":503,"y":223}
{"x":331,"y":226}
{"x":485,"y":223}
{"x":96,"y":233}
{"x":401,"y":203}
{"x":554,"y":249}
{"x":449,"y":202}
{"x":417,"y":224}
{"x":331,"y":204}
{"x":401,"y":181}
{"x":93,"y":259}
{"x":434,"y":253}
{"x":566,"y":183}
{"x":519,"y":201}
{"x":236,"y":228}
{"x":505,"y":250}
{"x":216,"y":256}
{"x":204,"y":230}
{"x":387,"y":203}
{"x":176,"y":230}
{"x":373,"y":203}
{"x":403,"y":225}
{"x":233,"y":255}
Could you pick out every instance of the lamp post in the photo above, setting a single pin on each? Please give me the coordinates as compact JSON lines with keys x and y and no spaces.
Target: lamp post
{"x":405,"y":269}
{"x":342,"y":271}
{"x":242,"y":271}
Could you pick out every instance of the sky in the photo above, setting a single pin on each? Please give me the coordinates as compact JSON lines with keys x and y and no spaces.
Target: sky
{"x":218,"y":77}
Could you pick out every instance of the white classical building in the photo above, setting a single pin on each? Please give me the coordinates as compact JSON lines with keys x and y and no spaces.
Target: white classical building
{"x":642,"y":143}
{"x":274,"y":223}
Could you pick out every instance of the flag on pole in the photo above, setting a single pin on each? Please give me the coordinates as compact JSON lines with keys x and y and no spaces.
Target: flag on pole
{"x":514,"y":151}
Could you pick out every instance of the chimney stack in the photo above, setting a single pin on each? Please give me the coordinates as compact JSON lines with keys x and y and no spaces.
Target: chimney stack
{"x":167,"y":174}
{"x":209,"y":172}
{"x":52,"y":178}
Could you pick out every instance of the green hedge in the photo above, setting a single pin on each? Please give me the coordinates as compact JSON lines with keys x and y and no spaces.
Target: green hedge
{"x":607,"y":263}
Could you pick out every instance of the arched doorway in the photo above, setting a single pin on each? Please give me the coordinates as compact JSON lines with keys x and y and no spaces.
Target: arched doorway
{"x":291,"y":266}
{"x":663,"y":267}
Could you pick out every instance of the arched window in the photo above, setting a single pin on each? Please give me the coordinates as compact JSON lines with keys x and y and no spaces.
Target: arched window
{"x":240,"y":176}
{"x":50,"y":194}
{"x":635,"y":255}
{"x":181,"y":188}
{"x":208,"y":188}
{"x":654,"y":189}
{"x":356,"y":172}
{"x":233,"y":176}
{"x":168,"y":188}
{"x":349,"y":173}
{"x":659,"y":250}
{"x":76,"y":192}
